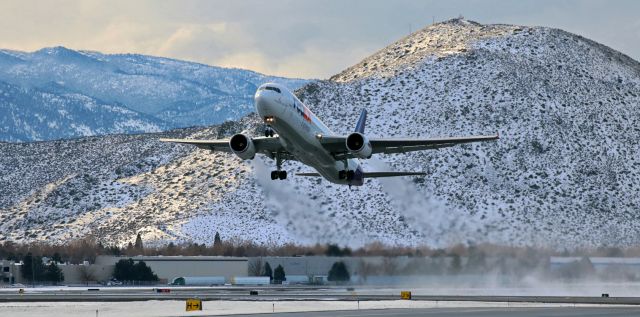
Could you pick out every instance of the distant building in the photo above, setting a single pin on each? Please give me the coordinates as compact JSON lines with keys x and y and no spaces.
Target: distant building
{"x":166,"y":267}
{"x":630,"y":267}
{"x":8,"y":272}
{"x":170,"y":267}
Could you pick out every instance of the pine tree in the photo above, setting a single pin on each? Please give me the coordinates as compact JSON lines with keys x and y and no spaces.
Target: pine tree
{"x":138,"y":245}
{"x":278,"y":275}
{"x":53,"y":273}
{"x":27,"y":267}
{"x":127,"y":270}
{"x":217,"y":242}
{"x":123,"y":270}
{"x":333,"y":250}
{"x":32,"y":268}
{"x":339,"y":273}
{"x":57,"y":258}
{"x":268,"y":271}
{"x":456,"y":264}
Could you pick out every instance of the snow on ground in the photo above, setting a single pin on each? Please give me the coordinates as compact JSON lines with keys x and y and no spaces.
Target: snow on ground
{"x":564,"y":173}
{"x":177,"y":308}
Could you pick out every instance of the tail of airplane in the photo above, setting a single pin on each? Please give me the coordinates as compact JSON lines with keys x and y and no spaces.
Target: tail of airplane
{"x":361,"y":121}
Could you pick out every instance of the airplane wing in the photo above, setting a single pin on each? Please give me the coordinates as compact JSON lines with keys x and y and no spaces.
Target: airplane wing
{"x":213,"y":145}
{"x":264,"y":145}
{"x":337,"y":146}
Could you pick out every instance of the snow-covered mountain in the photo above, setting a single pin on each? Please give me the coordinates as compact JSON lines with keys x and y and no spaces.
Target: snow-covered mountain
{"x":60,"y":93}
{"x":564,"y":173}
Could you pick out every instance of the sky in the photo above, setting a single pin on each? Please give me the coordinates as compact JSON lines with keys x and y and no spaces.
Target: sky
{"x":293,"y":38}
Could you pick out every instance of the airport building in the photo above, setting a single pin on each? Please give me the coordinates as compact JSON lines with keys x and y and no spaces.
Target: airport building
{"x":216,"y":270}
{"x":170,"y":267}
{"x":167,"y":268}
{"x":8,"y":272}
{"x":629,"y":267}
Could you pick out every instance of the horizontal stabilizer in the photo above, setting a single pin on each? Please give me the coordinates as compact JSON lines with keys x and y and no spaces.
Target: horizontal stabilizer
{"x":373,"y":174}
{"x":309,"y":174}
{"x":392,"y":174}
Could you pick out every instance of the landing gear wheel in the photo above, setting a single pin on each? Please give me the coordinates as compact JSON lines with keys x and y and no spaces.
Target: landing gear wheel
{"x":278,"y":173}
{"x":268,"y":132}
{"x":350,"y":175}
{"x":342,"y":174}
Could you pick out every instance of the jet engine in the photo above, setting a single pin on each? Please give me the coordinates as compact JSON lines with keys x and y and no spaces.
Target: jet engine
{"x":359,"y":145}
{"x":242,"y":146}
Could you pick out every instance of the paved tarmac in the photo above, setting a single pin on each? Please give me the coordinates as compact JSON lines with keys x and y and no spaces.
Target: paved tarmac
{"x":471,"y":311}
{"x":115,"y":294}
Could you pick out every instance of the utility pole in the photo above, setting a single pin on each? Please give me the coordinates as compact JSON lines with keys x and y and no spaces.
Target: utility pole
{"x":33,"y":274}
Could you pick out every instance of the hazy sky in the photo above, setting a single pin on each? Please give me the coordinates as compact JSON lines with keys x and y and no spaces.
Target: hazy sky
{"x":312,"y":39}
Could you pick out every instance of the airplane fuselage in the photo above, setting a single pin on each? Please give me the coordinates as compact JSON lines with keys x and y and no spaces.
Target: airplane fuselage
{"x":300,"y":131}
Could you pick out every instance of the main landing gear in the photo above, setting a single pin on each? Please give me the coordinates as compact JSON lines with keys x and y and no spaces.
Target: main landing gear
{"x":346,"y":174}
{"x":279,"y":173}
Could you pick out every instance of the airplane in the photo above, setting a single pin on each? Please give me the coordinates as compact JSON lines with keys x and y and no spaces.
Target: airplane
{"x":293,"y":132}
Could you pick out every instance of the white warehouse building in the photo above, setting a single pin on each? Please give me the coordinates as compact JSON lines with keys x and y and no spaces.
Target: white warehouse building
{"x":170,"y":267}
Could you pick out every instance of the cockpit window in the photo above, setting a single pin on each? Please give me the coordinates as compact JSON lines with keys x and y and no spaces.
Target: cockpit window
{"x":276,"y":89}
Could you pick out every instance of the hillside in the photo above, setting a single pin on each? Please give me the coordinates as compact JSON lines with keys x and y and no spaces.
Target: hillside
{"x":564,"y":173}
{"x":58,"y":93}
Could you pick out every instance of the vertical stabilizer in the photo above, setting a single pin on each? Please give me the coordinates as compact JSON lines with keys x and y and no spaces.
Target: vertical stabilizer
{"x":361,"y":121}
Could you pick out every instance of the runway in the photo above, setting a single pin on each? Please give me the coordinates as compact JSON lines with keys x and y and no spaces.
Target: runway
{"x":488,"y":312}
{"x":297,"y":301}
{"x":118,"y":294}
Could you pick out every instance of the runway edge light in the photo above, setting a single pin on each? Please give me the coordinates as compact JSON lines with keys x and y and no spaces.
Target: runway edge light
{"x":405,"y":295}
{"x":194,"y":304}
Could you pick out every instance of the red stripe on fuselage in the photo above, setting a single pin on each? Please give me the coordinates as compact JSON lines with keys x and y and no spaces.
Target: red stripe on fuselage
{"x":306,"y":115}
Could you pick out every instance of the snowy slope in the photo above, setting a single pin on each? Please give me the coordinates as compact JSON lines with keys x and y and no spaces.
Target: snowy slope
{"x":151,"y":93}
{"x":564,"y":173}
{"x":36,"y":114}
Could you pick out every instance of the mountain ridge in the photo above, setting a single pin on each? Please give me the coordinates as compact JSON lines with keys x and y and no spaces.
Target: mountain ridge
{"x":165,"y":93}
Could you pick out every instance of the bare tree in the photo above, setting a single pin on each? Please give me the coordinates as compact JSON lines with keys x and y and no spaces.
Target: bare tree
{"x":365,"y":269}
{"x":256,"y":267}
{"x":87,"y":275}
{"x":389,"y":265}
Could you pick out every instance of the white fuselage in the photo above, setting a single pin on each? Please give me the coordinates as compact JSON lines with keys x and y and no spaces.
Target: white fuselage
{"x":299,"y":131}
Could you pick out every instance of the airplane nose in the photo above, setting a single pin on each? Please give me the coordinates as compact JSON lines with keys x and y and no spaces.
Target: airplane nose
{"x":265,"y":105}
{"x":262,"y":103}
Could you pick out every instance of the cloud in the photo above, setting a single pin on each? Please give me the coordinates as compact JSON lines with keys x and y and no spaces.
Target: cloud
{"x":286,"y":37}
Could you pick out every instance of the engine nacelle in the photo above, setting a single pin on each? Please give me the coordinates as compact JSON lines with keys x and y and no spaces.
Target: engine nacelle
{"x":242,"y":146}
{"x":359,"y":145}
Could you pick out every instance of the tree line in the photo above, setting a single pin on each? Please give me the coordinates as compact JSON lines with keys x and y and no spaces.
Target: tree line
{"x":338,"y":272}
{"x":88,"y":249}
{"x":35,"y":269}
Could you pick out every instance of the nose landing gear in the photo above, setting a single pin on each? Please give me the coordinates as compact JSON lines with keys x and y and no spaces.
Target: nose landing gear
{"x":268,"y":132}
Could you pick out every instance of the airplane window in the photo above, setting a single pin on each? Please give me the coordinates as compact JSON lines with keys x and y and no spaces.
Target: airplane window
{"x":273,"y":88}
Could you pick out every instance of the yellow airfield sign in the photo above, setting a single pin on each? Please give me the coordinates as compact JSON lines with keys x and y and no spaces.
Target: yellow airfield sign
{"x":194,"y":304}
{"x":405,"y":295}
